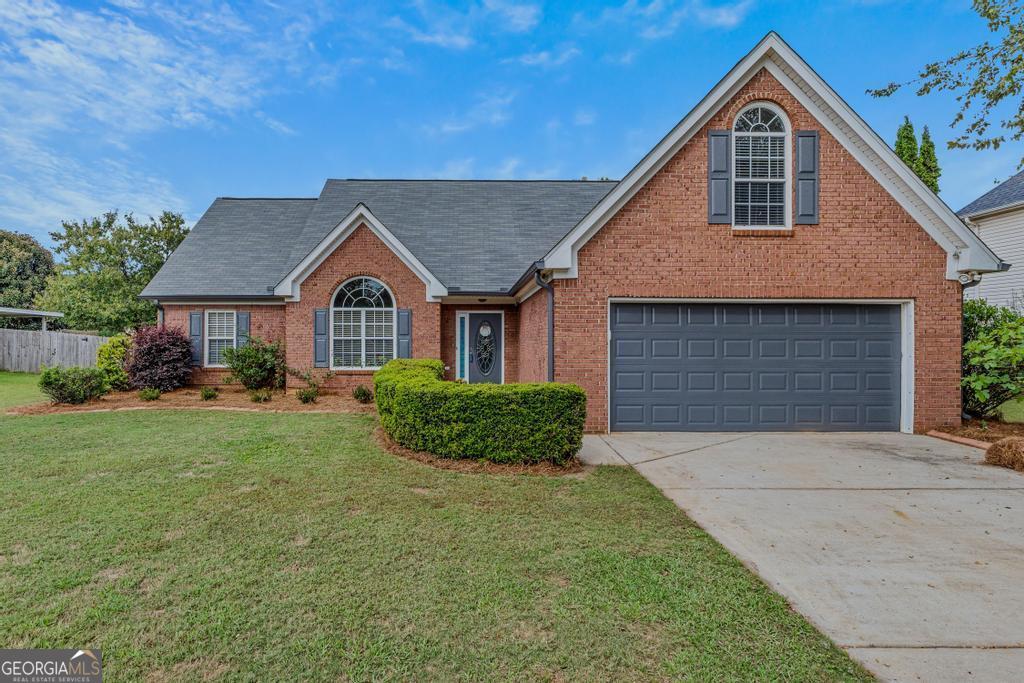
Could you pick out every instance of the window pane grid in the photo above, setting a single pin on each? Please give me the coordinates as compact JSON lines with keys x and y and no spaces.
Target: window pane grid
{"x":220,"y":335}
{"x":363,"y":335}
{"x":760,"y":190}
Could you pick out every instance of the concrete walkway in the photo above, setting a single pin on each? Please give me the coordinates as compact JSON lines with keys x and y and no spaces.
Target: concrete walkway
{"x":907,"y":551}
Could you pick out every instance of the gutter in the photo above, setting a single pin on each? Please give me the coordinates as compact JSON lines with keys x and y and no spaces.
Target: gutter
{"x":549,"y":288}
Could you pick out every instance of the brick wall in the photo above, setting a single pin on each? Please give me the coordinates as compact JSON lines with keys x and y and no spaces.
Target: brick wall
{"x":448,"y":331}
{"x":661,"y":245}
{"x":361,"y":254}
{"x":265,"y":322}
{"x":533,"y":338}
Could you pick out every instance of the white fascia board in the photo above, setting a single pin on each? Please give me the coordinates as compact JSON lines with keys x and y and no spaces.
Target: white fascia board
{"x":290,"y":285}
{"x":965,"y":249}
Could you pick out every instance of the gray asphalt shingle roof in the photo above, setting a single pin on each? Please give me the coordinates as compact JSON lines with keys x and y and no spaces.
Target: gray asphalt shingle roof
{"x":1008,"y":192}
{"x":472,"y":235}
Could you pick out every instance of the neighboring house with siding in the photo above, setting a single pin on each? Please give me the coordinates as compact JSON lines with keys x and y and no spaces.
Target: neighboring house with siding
{"x":998,"y":218}
{"x":769,"y":265}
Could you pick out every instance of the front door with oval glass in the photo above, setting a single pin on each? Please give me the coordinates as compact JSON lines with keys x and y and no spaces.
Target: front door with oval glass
{"x":481,"y":347}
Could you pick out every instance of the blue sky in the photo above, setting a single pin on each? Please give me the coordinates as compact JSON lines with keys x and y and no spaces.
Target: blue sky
{"x":145,"y":106}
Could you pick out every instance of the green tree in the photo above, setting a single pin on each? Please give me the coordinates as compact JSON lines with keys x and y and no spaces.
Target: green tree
{"x":981,"y":78}
{"x":107,"y":262}
{"x":24,"y":266}
{"x":906,"y":143}
{"x":927,"y":168}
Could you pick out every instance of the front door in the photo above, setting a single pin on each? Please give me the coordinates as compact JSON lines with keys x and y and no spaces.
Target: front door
{"x":485,"y":347}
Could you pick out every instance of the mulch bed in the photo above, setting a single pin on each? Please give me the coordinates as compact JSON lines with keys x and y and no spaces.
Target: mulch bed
{"x":229,"y":398}
{"x":545,"y":469}
{"x":990,"y":431}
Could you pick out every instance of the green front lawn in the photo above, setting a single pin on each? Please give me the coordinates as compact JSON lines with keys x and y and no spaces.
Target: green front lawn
{"x":18,"y":389}
{"x":290,"y":547}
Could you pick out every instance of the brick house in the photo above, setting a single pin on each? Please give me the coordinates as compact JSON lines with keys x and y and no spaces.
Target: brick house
{"x":769,"y":265}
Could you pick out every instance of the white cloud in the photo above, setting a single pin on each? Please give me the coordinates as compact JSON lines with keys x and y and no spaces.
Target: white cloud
{"x":456,"y":169}
{"x":584,"y":117}
{"x":518,"y":17}
{"x":439,"y":36}
{"x":73,"y":78}
{"x":275,"y":125}
{"x":547,"y":59}
{"x":508,"y":168}
{"x":662,"y":18}
{"x":39,"y":189}
{"x":491,"y":109}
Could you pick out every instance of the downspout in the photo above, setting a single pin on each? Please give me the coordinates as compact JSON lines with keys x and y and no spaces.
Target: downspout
{"x":549,"y":288}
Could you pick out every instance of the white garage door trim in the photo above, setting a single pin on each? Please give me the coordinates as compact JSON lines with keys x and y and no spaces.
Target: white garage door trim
{"x":906,"y":341}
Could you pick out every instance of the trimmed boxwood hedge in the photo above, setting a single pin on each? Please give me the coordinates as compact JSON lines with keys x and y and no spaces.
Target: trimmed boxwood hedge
{"x":505,"y":423}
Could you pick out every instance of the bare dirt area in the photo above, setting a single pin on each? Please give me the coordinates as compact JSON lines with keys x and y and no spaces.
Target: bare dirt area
{"x":989,"y":431}
{"x":228,"y":398}
{"x":546,"y":469}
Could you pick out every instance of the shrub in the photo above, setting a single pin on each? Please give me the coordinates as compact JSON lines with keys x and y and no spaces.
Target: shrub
{"x":149,"y":394}
{"x":260,"y":395}
{"x":362,"y":394}
{"x":160,"y":358}
{"x":73,"y":385}
{"x":505,"y":423}
{"x":993,"y":358}
{"x":208,"y":393}
{"x":1008,"y":452}
{"x":257,"y":365}
{"x":111,"y":358}
{"x":312,"y":390}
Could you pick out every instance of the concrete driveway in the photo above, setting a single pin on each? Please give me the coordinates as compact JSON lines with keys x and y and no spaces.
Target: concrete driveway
{"x":906,"y":550}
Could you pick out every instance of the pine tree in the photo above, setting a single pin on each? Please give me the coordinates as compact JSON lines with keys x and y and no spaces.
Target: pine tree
{"x":927,"y":167}
{"x":906,"y":143}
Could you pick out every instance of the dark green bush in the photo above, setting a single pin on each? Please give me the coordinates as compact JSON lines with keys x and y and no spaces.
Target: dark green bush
{"x":993,"y":358}
{"x":257,"y":365}
{"x":111,"y":357}
{"x":307,"y":394}
{"x":362,"y":394}
{"x":260,"y":395}
{"x":208,"y":393}
{"x":73,"y":385}
{"x":149,"y":394}
{"x":505,"y":423}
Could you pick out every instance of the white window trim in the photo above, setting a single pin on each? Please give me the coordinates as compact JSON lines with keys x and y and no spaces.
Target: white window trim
{"x":362,"y":327}
{"x":207,"y":337}
{"x":787,"y":164}
{"x":464,"y":315}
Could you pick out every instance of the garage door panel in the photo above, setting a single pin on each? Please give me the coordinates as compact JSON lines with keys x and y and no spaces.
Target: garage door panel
{"x":755,"y":367}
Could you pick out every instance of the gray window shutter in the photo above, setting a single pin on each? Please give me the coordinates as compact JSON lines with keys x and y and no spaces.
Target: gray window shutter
{"x":404,"y":333}
{"x":807,"y":177}
{"x":320,"y":338}
{"x":719,"y":177}
{"x":195,"y":332}
{"x":241,"y":329}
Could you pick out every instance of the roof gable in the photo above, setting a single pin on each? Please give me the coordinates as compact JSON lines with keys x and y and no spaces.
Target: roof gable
{"x":965,"y":250}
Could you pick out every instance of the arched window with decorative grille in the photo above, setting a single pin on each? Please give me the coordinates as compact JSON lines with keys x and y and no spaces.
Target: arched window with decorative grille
{"x":761,"y":168}
{"x":362,"y":325}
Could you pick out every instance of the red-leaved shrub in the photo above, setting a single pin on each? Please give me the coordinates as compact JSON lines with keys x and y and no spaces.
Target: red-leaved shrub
{"x":160,"y":358}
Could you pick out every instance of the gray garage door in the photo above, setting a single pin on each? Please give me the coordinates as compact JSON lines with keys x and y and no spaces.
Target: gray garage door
{"x":765,"y":367}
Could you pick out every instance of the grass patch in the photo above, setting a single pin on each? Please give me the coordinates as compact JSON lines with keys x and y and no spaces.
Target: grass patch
{"x":268,"y":546}
{"x":18,"y":389}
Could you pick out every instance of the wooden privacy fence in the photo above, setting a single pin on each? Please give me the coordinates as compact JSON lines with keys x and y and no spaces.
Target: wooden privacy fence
{"x":28,"y":350}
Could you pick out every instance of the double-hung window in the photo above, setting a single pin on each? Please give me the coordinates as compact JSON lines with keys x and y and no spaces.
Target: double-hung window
{"x":221,"y":334}
{"x":760,"y":198}
{"x":362,"y":325}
